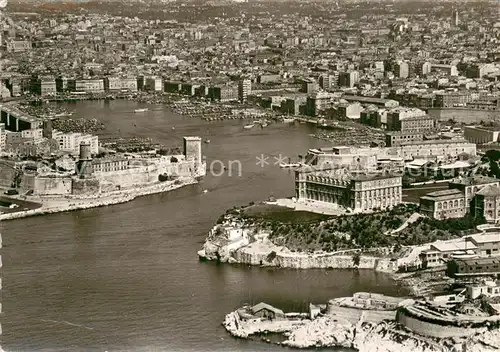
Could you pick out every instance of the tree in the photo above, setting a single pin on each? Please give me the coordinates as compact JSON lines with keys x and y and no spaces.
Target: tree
{"x":493,"y":155}
{"x":494,"y":169}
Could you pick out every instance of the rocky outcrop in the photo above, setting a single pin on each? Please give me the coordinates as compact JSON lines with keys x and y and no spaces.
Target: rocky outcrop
{"x":385,"y":337}
{"x":245,"y":328}
{"x":322,"y":332}
{"x":488,"y":341}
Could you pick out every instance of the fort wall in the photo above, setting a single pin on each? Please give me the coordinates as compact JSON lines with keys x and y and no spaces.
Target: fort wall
{"x":7,"y":173}
{"x":44,"y":185}
{"x":440,"y":329}
{"x":85,"y":186}
{"x":142,"y":175}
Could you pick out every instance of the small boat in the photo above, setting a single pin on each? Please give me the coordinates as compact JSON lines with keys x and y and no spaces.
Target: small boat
{"x":173,"y":128}
{"x":288,"y":120}
{"x":205,"y":191}
{"x":207,"y":141}
{"x":63,"y":114}
{"x":288,"y":165}
{"x":141,"y":110}
{"x":248,"y":126}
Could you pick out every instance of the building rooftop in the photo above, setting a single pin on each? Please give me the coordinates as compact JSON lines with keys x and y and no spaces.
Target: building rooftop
{"x":108,"y":160}
{"x":477,"y":261}
{"x":446,"y":194}
{"x":258,"y":307}
{"x":485,"y":128}
{"x":490,"y":190}
{"x":433,"y":141}
{"x":485,"y":237}
{"x":370,"y":100}
{"x":452,"y":246}
{"x":346,"y":175}
{"x":474,"y":180}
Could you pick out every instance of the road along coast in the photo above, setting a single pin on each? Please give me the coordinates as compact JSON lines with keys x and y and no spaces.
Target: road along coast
{"x":69,"y":203}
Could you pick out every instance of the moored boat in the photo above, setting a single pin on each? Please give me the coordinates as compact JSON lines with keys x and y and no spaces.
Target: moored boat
{"x":289,"y":165}
{"x":141,"y":110}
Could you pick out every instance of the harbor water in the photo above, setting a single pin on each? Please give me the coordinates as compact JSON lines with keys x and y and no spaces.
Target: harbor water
{"x":127,"y":277}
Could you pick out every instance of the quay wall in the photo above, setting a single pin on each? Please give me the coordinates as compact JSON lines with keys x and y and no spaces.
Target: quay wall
{"x":426,"y":328}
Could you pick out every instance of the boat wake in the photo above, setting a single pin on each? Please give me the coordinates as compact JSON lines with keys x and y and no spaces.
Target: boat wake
{"x":64,"y":322}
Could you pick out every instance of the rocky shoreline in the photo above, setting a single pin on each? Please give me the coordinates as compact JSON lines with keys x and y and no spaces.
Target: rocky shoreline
{"x":259,"y":250}
{"x":57,"y":205}
{"x":332,"y":331}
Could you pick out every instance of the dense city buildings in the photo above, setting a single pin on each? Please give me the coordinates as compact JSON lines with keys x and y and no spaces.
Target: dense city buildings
{"x":398,"y":101}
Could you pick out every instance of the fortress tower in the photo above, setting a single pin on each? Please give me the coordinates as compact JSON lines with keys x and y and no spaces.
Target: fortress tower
{"x":84,"y":167}
{"x":192,"y":151}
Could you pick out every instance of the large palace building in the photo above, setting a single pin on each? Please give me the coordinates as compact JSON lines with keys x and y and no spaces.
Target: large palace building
{"x":359,"y":191}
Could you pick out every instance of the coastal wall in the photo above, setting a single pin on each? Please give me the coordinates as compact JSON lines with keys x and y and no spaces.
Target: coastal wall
{"x":247,"y":255}
{"x":52,"y":185}
{"x":7,"y":173}
{"x":425,"y":328}
{"x":85,"y":186}
{"x":130,"y":177}
{"x":71,"y":202}
{"x":146,"y":174}
{"x":27,"y":182}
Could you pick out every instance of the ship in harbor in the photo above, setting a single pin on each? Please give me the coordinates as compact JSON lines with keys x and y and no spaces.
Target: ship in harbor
{"x":141,"y":110}
{"x":289,"y":165}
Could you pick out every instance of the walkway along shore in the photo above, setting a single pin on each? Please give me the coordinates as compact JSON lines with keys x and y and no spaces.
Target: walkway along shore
{"x":62,"y":204}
